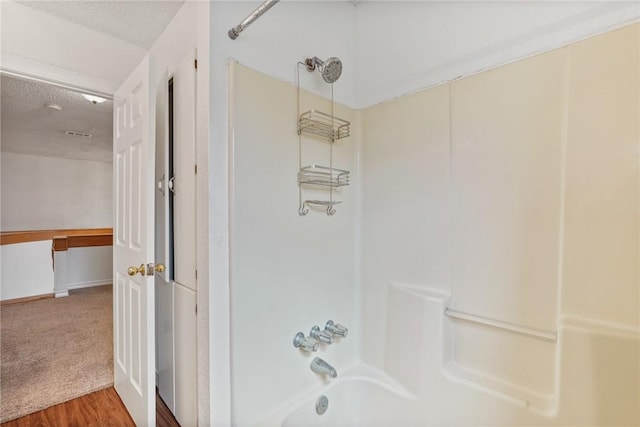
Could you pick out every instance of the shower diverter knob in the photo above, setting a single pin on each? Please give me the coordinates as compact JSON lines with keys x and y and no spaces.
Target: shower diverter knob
{"x":336,"y":329}
{"x":306,"y":344}
{"x":324,"y":337}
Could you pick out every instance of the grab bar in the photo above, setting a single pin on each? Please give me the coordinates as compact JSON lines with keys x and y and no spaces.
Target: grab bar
{"x":519,"y":329}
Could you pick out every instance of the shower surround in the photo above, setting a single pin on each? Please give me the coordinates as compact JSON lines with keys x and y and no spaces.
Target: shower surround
{"x":510,"y":197}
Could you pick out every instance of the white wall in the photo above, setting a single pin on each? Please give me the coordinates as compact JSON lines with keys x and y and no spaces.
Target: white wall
{"x":82,"y":267}
{"x":178,"y":39}
{"x":46,"y":193}
{"x":27,"y":270}
{"x":89,"y":266}
{"x":288,"y":33}
{"x":406,"y":46}
{"x":40,"y":44}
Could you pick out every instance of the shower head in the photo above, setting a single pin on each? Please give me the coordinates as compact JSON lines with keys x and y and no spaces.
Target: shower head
{"x":331,"y":69}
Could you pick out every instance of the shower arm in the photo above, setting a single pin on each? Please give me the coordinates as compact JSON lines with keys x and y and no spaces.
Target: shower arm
{"x":235,"y":31}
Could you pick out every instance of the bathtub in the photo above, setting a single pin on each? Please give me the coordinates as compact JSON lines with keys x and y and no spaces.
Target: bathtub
{"x":354,"y":402}
{"x":594,"y":375}
{"x":362,"y":396}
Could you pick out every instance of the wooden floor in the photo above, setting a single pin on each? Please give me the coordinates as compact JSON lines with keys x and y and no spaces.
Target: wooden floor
{"x":102,"y":408}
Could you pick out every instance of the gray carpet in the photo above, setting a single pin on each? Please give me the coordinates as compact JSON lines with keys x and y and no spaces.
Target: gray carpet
{"x":54,"y":350}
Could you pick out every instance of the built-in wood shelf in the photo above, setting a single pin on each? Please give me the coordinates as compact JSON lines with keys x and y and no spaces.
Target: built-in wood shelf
{"x":62,"y":243}
{"x":85,"y":236}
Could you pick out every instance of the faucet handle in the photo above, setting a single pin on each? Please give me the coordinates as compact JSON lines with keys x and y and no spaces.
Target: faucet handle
{"x":336,"y":329}
{"x":322,"y":336}
{"x":306,"y":344}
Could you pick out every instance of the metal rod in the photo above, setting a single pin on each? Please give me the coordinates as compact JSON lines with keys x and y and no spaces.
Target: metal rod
{"x":235,"y":31}
{"x":519,"y":329}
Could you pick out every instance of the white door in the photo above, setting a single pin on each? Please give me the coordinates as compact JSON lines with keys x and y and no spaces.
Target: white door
{"x":184,"y":226}
{"x":176,"y":297}
{"x":133,"y":247}
{"x":184,"y":169}
{"x":164,"y":253}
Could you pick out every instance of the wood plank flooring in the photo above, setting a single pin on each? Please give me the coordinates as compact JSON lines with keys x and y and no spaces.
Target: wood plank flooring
{"x":101,"y":408}
{"x":164,"y":417}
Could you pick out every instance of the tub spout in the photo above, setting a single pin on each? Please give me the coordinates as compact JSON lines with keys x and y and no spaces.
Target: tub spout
{"x":321,"y":367}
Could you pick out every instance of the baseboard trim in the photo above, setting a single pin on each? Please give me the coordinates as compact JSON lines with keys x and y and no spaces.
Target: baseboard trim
{"x":26,"y":299}
{"x":82,"y":285}
{"x":91,"y":284}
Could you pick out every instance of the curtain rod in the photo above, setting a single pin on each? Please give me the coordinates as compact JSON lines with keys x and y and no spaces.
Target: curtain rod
{"x":235,"y":31}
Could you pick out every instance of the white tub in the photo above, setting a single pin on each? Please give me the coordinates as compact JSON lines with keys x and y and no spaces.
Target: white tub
{"x":362,"y":396}
{"x":354,"y":402}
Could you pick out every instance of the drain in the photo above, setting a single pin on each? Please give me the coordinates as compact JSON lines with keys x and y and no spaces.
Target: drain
{"x":321,"y":405}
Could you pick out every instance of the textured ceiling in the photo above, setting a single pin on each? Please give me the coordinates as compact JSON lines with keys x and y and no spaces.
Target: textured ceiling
{"x":28,"y":127}
{"x":137,"y":22}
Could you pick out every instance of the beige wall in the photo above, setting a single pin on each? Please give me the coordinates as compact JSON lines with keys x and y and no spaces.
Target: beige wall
{"x":516,"y":191}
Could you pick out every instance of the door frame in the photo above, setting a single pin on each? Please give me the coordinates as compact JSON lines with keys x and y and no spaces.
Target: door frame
{"x":28,"y":69}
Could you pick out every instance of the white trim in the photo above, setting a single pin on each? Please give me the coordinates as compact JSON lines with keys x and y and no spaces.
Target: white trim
{"x":90,"y":284}
{"x":81,"y":285}
{"x":600,"y":327}
{"x":18,"y":66}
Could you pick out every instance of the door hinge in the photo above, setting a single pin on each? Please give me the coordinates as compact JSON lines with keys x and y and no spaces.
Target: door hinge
{"x":196,"y":169}
{"x":196,"y":308}
{"x":195,"y":64}
{"x":196,"y":274}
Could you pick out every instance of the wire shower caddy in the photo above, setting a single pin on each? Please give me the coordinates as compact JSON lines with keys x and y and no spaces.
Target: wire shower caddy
{"x":327,"y":127}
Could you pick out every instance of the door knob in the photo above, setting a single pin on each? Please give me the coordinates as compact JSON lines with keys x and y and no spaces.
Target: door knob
{"x":132,"y":271}
{"x":147,"y":270}
{"x":152,"y":268}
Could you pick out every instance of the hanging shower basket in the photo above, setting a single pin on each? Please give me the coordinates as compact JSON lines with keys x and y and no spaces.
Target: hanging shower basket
{"x":328,"y":127}
{"x":323,"y":125}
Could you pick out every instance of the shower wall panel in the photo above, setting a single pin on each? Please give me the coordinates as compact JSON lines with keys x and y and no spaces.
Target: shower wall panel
{"x":506,"y":143}
{"x":601,"y":254}
{"x":517,"y":192}
{"x":288,"y":272}
{"x":406,"y":213}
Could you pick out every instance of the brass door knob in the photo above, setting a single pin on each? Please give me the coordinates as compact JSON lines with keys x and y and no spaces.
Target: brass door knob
{"x":147,"y":270}
{"x":132,"y":271}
